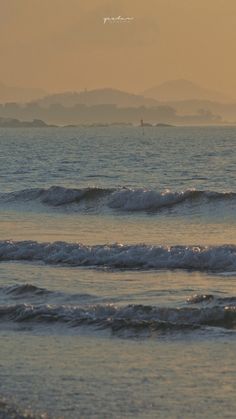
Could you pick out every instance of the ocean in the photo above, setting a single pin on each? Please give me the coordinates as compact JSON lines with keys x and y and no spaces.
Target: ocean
{"x":118,"y":270}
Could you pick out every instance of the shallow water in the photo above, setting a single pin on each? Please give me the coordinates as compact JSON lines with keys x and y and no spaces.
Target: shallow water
{"x":117,"y":296}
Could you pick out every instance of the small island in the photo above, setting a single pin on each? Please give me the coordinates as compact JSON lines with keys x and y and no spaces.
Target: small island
{"x":16,"y":123}
{"x":39,"y":123}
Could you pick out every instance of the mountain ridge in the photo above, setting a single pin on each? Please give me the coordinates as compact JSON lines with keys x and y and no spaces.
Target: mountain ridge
{"x":181,"y":90}
{"x":103,"y":96}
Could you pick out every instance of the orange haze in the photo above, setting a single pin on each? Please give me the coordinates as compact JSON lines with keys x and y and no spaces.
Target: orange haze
{"x":65,"y":45}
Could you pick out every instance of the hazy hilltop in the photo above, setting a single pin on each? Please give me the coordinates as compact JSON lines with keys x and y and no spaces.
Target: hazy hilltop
{"x":106,"y":96}
{"x":19,"y":94}
{"x":178,"y":90}
{"x":177,"y":102}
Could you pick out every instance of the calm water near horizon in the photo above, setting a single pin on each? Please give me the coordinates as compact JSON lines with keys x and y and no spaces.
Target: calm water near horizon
{"x":118,"y":271}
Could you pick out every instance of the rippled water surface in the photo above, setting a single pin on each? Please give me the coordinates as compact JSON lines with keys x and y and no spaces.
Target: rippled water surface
{"x":118,"y":272}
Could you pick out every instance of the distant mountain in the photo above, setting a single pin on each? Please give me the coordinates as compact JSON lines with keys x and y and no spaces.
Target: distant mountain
{"x":178,"y":90}
{"x":19,"y":94}
{"x":97,"y":97}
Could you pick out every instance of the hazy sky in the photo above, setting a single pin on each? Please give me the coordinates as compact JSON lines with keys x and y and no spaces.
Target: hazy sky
{"x":64,"y":44}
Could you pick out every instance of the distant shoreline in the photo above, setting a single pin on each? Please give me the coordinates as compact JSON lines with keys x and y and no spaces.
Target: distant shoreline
{"x":38,"y":123}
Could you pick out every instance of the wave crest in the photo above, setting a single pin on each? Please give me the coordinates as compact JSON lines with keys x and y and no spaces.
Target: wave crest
{"x":131,"y":316}
{"x":24,"y":289}
{"x":123,"y":199}
{"x":203,"y":258}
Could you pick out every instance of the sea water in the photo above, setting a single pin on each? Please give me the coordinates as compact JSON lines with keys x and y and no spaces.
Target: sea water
{"x":118,"y":270}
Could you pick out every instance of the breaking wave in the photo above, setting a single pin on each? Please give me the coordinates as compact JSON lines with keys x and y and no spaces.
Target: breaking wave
{"x":126,"y":317}
{"x":211,"y":299}
{"x":55,"y":195}
{"x":123,"y":199}
{"x":24,"y":289}
{"x":29,"y":292}
{"x":120,"y":256}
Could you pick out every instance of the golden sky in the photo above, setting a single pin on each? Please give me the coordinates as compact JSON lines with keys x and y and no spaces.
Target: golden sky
{"x":65,"y":45}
